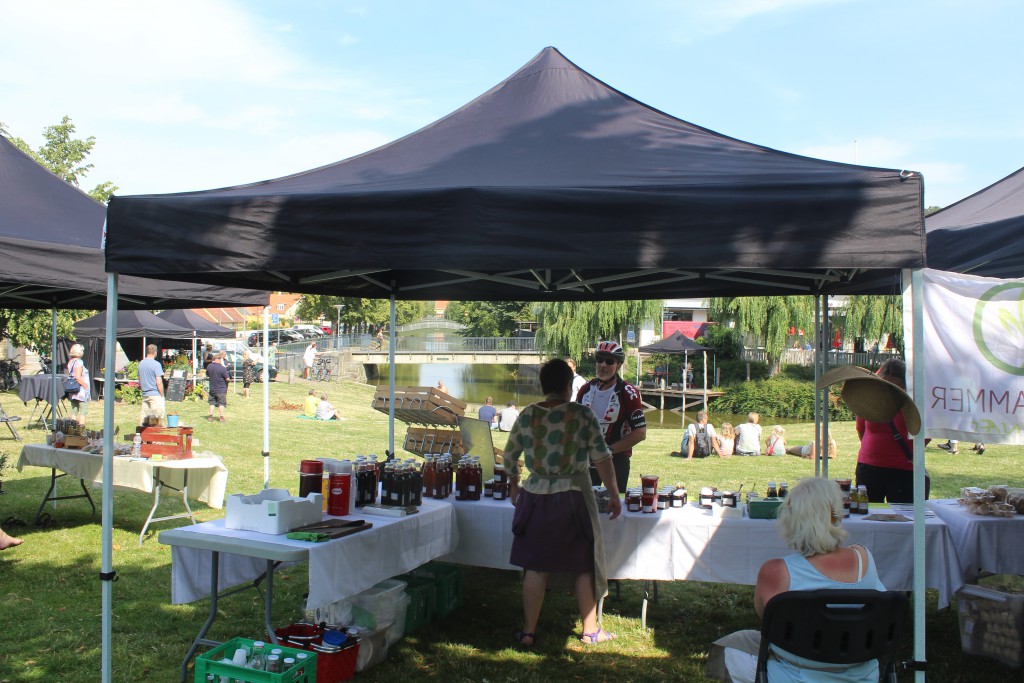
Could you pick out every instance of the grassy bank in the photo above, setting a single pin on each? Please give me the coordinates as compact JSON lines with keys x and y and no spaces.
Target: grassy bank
{"x":51,"y":592}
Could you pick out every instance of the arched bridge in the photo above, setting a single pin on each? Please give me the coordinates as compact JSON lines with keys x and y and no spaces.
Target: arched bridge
{"x":483,"y":350}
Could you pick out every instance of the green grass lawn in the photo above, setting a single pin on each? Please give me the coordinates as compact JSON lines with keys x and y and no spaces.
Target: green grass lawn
{"x":50,"y":595}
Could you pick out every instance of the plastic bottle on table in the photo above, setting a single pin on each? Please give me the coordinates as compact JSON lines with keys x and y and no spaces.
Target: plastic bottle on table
{"x":137,"y":446}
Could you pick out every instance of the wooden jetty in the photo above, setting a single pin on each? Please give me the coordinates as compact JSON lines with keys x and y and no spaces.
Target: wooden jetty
{"x":691,"y":397}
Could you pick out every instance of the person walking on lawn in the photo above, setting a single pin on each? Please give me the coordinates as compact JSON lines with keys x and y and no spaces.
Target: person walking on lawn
{"x":218,"y":375}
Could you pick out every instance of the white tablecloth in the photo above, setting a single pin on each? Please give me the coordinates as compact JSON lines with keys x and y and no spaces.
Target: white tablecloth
{"x":983,"y":541}
{"x":691,"y":544}
{"x":337,"y":569}
{"x":207,"y":476}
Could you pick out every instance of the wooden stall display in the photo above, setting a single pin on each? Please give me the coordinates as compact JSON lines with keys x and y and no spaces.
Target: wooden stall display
{"x":421,"y":405}
{"x":172,"y":443}
{"x":423,"y":440}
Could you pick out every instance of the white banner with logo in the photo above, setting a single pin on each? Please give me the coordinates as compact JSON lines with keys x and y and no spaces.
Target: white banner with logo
{"x":973,"y":357}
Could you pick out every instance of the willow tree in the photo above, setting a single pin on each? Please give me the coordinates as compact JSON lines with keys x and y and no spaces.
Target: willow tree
{"x":767,"y":319}
{"x":571,"y":328}
{"x":872,"y":317}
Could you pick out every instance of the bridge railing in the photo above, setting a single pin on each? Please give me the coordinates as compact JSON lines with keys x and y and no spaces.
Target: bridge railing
{"x":835,"y":357}
{"x":461,"y":345}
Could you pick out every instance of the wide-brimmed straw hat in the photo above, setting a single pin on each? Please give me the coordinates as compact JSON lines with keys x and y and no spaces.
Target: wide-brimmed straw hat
{"x":871,"y":397}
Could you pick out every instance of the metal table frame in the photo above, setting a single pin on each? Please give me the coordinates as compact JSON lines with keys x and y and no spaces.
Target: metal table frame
{"x":273,"y":553}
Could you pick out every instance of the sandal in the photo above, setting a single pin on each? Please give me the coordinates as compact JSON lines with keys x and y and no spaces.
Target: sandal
{"x":598,"y":636}
{"x":521,"y":637}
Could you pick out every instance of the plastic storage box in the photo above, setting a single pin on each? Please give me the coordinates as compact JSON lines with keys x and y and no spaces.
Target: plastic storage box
{"x":373,"y":648}
{"x":992,"y":622}
{"x":763,"y":508}
{"x":423,"y":601}
{"x":272,"y":511}
{"x":210,"y":663}
{"x":331,"y":667}
{"x":447,"y":580}
{"x":397,"y":628}
{"x":379,"y":605}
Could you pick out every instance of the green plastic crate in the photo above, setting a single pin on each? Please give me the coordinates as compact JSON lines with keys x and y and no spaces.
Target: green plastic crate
{"x":447,"y":579}
{"x":423,"y":593}
{"x":209,"y":663}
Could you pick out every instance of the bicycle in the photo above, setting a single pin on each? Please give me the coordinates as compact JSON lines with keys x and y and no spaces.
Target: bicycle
{"x":10,"y":376}
{"x":322,"y":370}
{"x":45,"y":366}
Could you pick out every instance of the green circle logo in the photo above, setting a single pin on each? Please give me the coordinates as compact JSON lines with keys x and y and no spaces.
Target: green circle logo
{"x":1004,"y":306}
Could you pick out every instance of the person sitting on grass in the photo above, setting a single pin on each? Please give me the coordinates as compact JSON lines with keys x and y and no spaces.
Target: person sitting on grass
{"x":312,"y":402}
{"x":775,"y":444}
{"x":700,"y":439}
{"x":810,"y":451}
{"x":726,"y":440}
{"x":748,"y":436}
{"x":325,"y":410}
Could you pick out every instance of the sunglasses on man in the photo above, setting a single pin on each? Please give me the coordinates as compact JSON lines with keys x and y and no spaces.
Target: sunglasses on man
{"x":607,"y":360}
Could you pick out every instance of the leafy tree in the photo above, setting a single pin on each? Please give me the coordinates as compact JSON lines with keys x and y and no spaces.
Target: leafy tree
{"x":64,"y":155}
{"x":489,"y":318}
{"x":870,"y":318}
{"x":767,"y":318}
{"x":932,"y":209}
{"x":376,"y":312}
{"x":33,"y":328}
{"x":571,"y":328}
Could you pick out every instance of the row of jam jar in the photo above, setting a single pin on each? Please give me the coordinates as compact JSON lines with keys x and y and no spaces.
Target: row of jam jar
{"x":648,"y":499}
{"x":464,"y":477}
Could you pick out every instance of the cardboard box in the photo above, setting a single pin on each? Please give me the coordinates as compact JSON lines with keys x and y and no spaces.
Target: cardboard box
{"x":272,"y":511}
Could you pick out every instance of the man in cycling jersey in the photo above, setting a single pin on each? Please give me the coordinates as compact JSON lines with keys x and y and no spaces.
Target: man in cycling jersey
{"x":618,"y":408}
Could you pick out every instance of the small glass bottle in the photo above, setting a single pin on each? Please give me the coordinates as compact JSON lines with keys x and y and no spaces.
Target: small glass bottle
{"x":258,"y":660}
{"x":273,"y":664}
{"x":773,"y":491}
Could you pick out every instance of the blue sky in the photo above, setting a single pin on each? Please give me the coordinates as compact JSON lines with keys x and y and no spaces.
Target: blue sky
{"x":194,"y":94}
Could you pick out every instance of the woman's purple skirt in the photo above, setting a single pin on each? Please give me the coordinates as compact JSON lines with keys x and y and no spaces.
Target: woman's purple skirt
{"x":552,"y":533}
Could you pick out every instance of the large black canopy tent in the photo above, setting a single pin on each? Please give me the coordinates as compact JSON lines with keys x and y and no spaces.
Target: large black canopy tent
{"x":200,"y":326}
{"x":50,"y":255}
{"x":550,"y":186}
{"x":982,"y":234}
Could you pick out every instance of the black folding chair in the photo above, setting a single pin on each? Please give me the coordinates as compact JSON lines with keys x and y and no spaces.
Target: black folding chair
{"x":835,"y":627}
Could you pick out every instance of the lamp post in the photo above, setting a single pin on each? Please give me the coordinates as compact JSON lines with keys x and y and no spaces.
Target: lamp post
{"x":337,"y":326}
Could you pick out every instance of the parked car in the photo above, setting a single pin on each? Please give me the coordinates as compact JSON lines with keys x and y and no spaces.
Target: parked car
{"x":309,"y":331}
{"x":276,"y":336}
{"x":236,"y":355}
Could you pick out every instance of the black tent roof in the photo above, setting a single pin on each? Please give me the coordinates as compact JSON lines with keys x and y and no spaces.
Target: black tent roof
{"x":982,"y":234}
{"x":677,"y":342}
{"x":50,"y":255}
{"x":551,"y":185}
{"x":132,"y":324}
{"x":183,"y":317}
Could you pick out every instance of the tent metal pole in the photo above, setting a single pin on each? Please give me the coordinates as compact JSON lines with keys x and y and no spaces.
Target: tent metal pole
{"x":53,"y":385}
{"x":107,"y":574}
{"x":817,"y":392}
{"x":266,"y":397}
{"x":391,"y":378}
{"x":915,"y":280}
{"x":822,"y":446}
{"x":705,"y":381}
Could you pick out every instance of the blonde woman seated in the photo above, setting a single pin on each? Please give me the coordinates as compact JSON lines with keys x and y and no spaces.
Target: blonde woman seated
{"x":775,"y":444}
{"x":810,"y":451}
{"x":726,"y":440}
{"x":810,"y":521}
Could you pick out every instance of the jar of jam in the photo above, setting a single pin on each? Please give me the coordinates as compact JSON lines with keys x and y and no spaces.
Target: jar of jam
{"x":500,"y":491}
{"x":664,"y":496}
{"x":773,"y":491}
{"x":728,"y":499}
{"x":679,"y":496}
{"x":633,"y":503}
{"x":649,"y":503}
{"x":783,"y":489}
{"x":650,"y":484}
{"x":707,"y":496}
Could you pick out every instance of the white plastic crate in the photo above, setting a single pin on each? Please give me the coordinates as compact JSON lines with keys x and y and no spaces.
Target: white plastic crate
{"x":272,"y":511}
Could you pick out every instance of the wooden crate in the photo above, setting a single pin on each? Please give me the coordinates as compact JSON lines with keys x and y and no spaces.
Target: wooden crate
{"x":173,"y":443}
{"x":421,"y":405}
{"x":423,"y":440}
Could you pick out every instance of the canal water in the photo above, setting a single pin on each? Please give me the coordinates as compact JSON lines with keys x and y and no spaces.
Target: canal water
{"x":473,"y":383}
